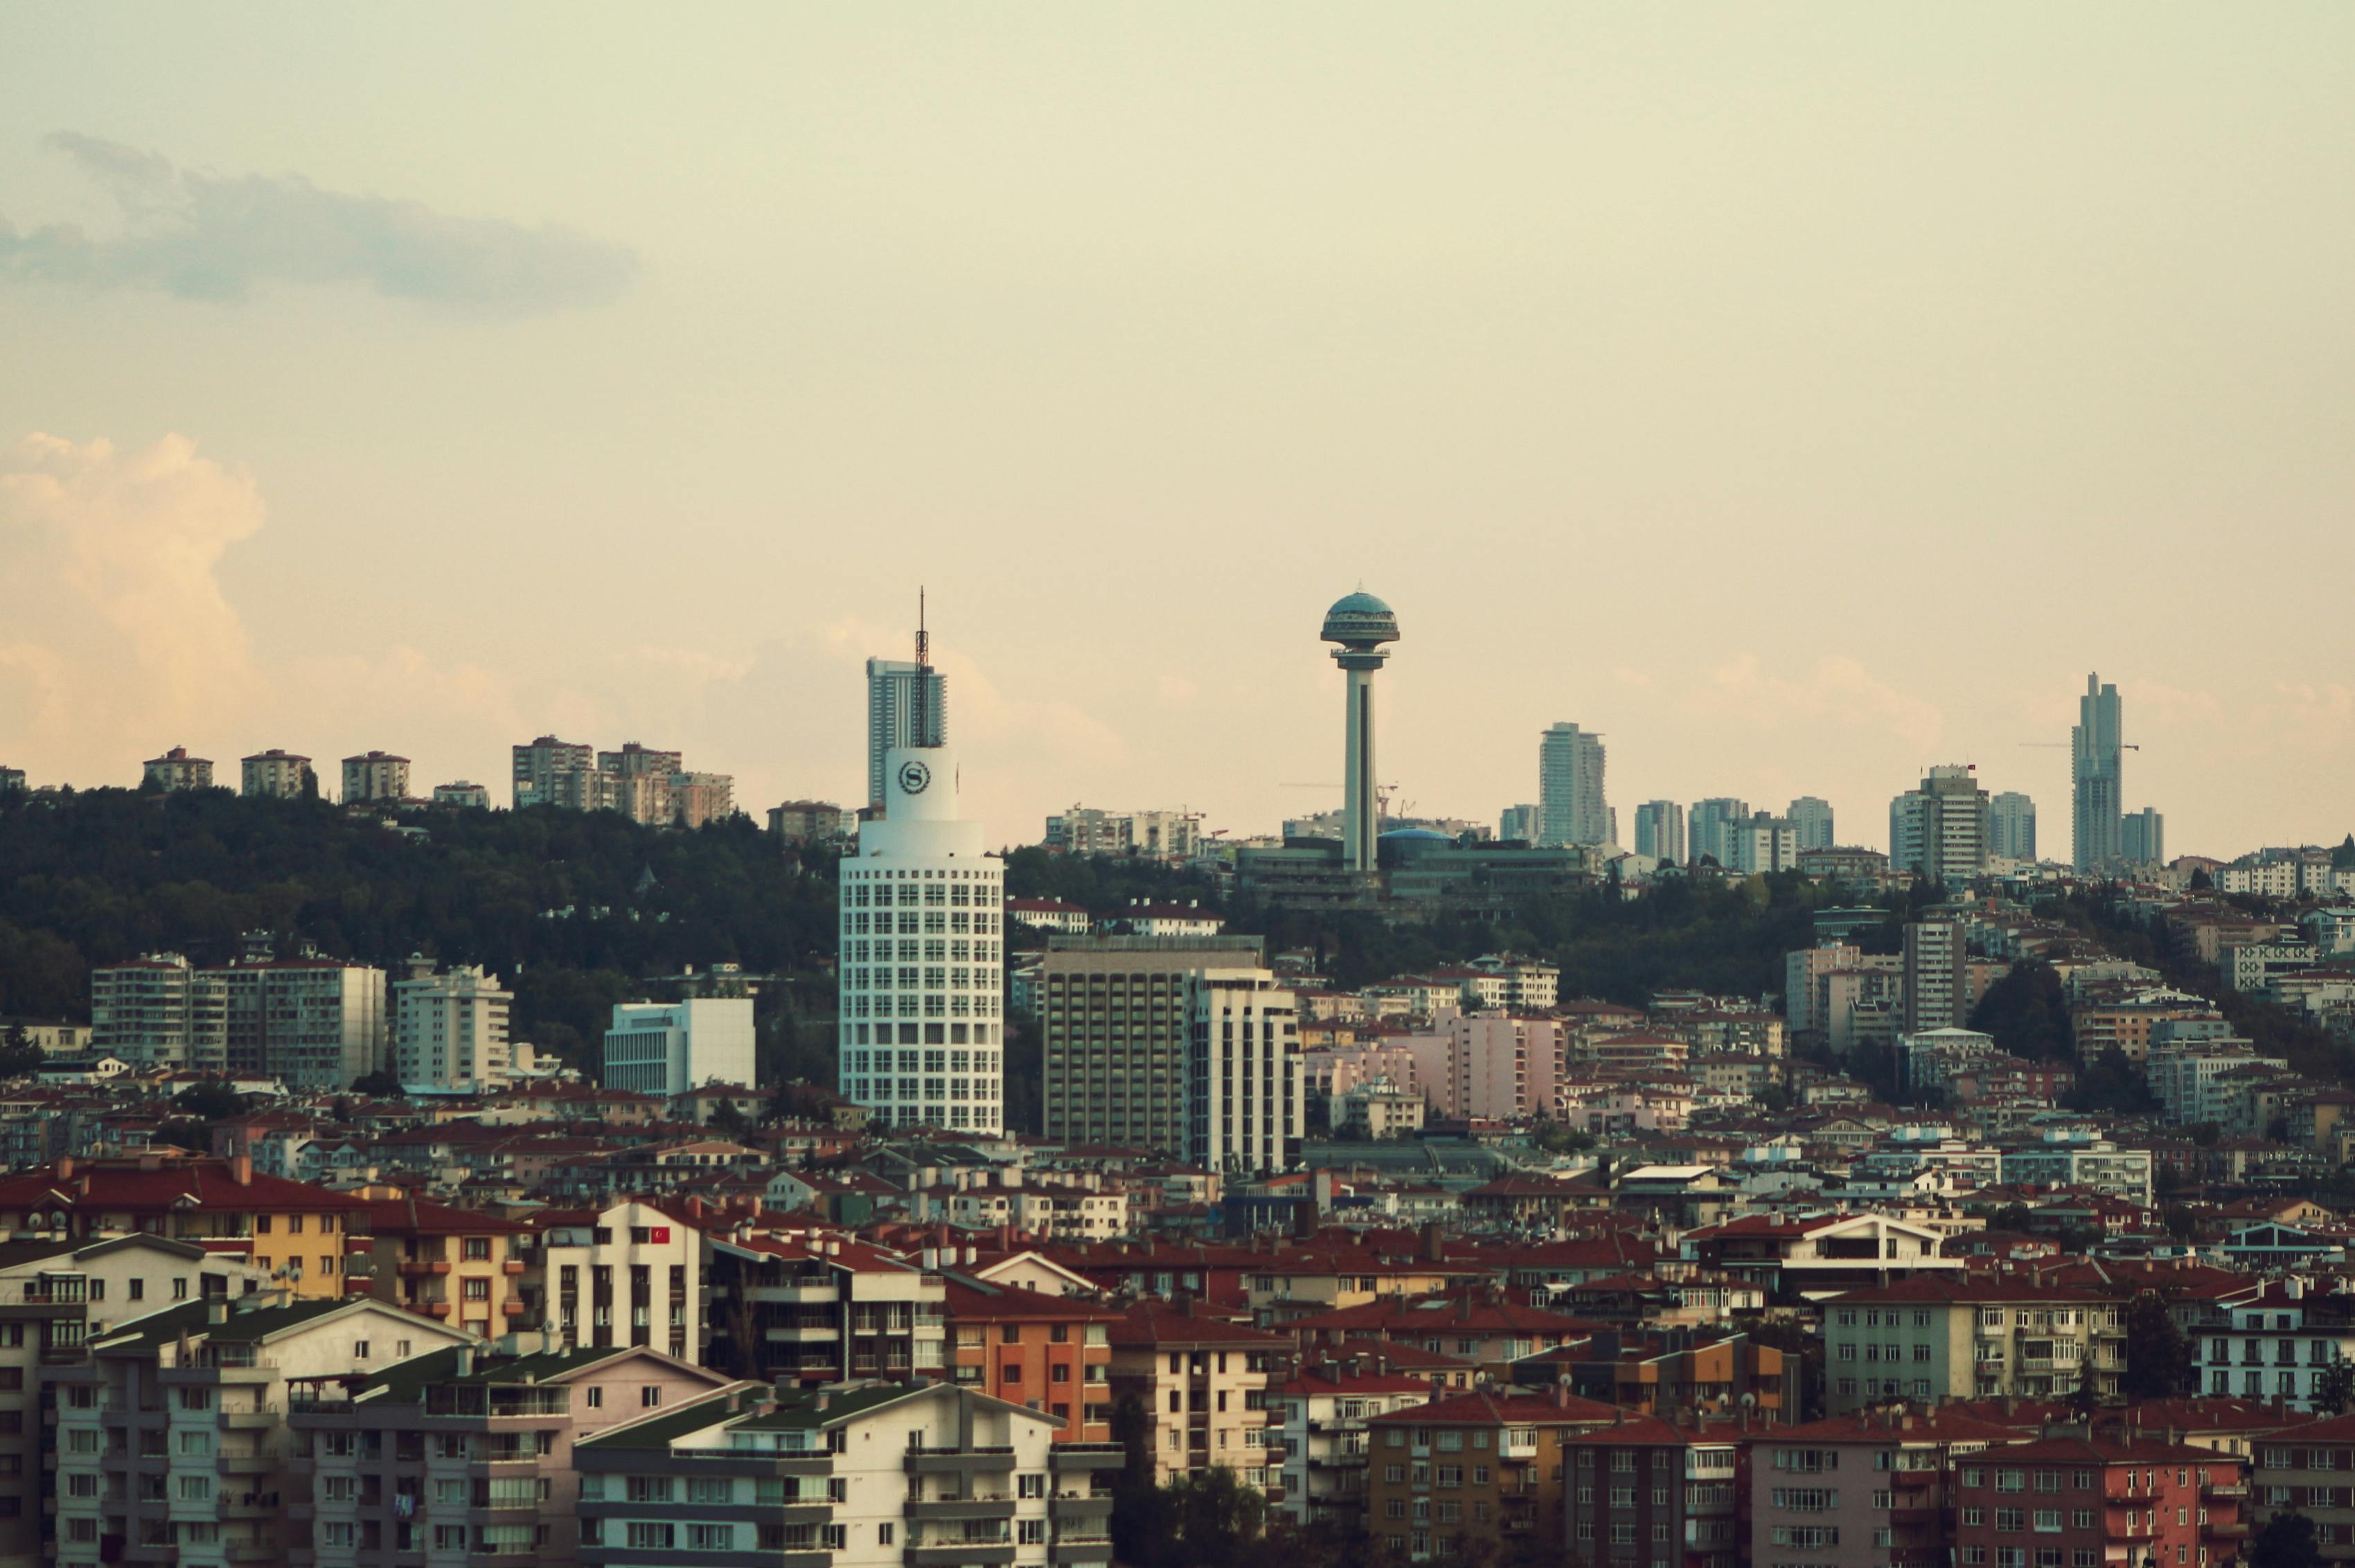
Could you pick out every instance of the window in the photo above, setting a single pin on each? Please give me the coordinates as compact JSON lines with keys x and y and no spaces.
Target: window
{"x":710,"y":1538}
{"x":1031,"y":1532}
{"x":650,"y":1395}
{"x":359,"y":1350}
{"x":646,"y":1537}
{"x":883,"y":1534}
{"x":596,"y":1398}
{"x":1031,"y":1485}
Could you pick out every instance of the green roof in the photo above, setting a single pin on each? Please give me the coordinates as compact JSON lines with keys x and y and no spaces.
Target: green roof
{"x":243,"y":1327}
{"x":658,"y":1432}
{"x":800,"y":1411}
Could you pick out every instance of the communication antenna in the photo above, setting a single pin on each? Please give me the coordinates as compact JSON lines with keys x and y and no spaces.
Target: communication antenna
{"x":919,"y":731}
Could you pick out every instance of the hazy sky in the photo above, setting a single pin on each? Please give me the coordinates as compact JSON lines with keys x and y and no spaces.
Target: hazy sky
{"x":1799,"y":395}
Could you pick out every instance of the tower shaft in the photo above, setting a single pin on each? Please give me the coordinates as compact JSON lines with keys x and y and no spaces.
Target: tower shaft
{"x":1360,"y":820}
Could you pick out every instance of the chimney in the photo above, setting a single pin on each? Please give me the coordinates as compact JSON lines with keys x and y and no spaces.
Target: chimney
{"x":65,"y":1168}
{"x":241,"y":1169}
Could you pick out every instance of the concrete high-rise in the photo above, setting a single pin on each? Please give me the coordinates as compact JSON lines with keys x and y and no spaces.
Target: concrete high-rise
{"x":1710,"y":827}
{"x":1811,"y":816}
{"x":2098,"y":754}
{"x":2142,"y":838}
{"x":922,"y":962}
{"x":450,"y":1030}
{"x":669,"y":1048}
{"x":375,"y":775}
{"x":1660,"y":830}
{"x":907,"y":705}
{"x":1940,"y":830}
{"x":1936,"y":978}
{"x":549,"y":772}
{"x":275,"y":772}
{"x":1115,"y":1035}
{"x":1760,"y":843}
{"x":2011,"y":827}
{"x":1246,"y":1086}
{"x":1570,"y":807}
{"x":1360,"y":624}
{"x":1518,"y":824}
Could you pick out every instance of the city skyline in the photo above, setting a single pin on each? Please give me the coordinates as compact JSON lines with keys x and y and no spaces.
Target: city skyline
{"x":588,"y":431}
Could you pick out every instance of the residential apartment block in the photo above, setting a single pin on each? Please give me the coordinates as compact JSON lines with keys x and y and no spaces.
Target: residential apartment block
{"x":281,"y":775}
{"x":450,"y":1030}
{"x":177,"y":769}
{"x":1930,"y":1337}
{"x":375,"y":776}
{"x":1116,"y":1014}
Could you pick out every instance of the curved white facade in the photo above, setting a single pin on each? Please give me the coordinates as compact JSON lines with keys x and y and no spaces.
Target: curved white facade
{"x":921,"y":956}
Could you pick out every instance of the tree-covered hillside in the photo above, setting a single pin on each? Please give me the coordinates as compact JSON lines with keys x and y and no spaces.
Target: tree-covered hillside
{"x":573,"y":908}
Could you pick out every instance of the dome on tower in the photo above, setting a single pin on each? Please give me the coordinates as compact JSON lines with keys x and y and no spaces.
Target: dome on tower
{"x":1360,"y":619}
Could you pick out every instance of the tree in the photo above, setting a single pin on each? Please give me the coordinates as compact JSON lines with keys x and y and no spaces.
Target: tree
{"x":210,"y":1101}
{"x":2158,"y":1359}
{"x":2286,"y":1542}
{"x":2201,"y":881}
{"x":2180,"y":1221}
{"x":383,"y":1085}
{"x":731,"y":1123}
{"x":2334,"y":1391}
{"x":2344,"y":856}
{"x":18,"y":1054}
{"x":2027,"y":1013}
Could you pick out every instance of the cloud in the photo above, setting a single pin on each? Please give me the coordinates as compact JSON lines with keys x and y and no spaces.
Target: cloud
{"x":218,"y":237}
{"x":1840,"y":691}
{"x":118,"y":632}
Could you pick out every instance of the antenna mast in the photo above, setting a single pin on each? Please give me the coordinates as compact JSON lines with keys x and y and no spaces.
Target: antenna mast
{"x":919,"y":731}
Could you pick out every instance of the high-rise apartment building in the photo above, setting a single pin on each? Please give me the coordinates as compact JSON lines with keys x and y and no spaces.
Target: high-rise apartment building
{"x":2011,"y":827}
{"x":1168,"y":836}
{"x":636,"y":781}
{"x":1116,"y":1014}
{"x":177,"y":769}
{"x":1518,"y":824}
{"x":157,"y":1011}
{"x":1710,"y":822}
{"x":669,"y":1048}
{"x":2097,"y":756}
{"x":1940,"y":830}
{"x":1936,"y":977}
{"x":2142,"y":838}
{"x":312,"y":1023}
{"x":281,"y":774}
{"x":450,"y":1030}
{"x":1812,"y":815}
{"x":1570,"y":806}
{"x":549,"y":772}
{"x":1660,"y":830}
{"x":375,"y":775}
{"x":12,"y":781}
{"x":1760,"y":843}
{"x":922,"y":964}
{"x":1246,"y":1091}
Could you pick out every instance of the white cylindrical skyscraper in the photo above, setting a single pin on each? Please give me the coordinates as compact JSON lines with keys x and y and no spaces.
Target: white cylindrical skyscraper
{"x":921,"y":906}
{"x":1361,"y":623}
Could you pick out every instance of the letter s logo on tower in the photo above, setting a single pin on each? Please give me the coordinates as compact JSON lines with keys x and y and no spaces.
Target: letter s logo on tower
{"x":914,"y":777}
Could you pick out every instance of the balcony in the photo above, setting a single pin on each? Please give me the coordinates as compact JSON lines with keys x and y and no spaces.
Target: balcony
{"x":513,"y":1267}
{"x":997,"y":1507}
{"x":1066,"y":1456}
{"x":2224,"y":1490}
{"x":1081,"y":1549}
{"x":1079,"y":1508}
{"x":420,"y":1268}
{"x":959,"y":1461}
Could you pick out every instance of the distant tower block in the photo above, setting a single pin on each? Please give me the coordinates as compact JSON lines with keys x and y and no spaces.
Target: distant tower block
{"x":1360,"y":624}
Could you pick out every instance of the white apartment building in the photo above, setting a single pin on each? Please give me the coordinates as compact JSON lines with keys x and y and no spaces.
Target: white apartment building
{"x":2278,"y":1345}
{"x":1936,"y":992}
{"x":2094,"y":1163}
{"x":669,"y":1048}
{"x":2011,"y":827}
{"x":2186,"y":1076}
{"x":450,"y":1030}
{"x":1246,"y":1088}
{"x":1812,"y":816}
{"x":59,"y":1293}
{"x":158,"y":1011}
{"x":1660,"y":830}
{"x":1760,"y":843}
{"x":921,"y":971}
{"x":1706,"y":826}
{"x":463,"y":792}
{"x":626,"y":1275}
{"x":1940,"y":830}
{"x":1325,"y":1442}
{"x":2272,"y":880}
{"x":549,"y":772}
{"x":375,"y":775}
{"x":1571,"y":806}
{"x":1517,"y":985}
{"x":274,"y":773}
{"x":1803,"y":976}
{"x":1169,"y":835}
{"x":856,"y":1475}
{"x":169,"y":1438}
{"x":310,"y":1022}
{"x":177,"y":769}
{"x":2253,"y":966}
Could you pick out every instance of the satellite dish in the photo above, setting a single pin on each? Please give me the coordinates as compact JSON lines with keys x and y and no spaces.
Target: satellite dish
{"x":1749,"y":1402}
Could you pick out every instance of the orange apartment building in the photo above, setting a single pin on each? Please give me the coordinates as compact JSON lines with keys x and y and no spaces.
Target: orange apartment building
{"x":1052,"y":1353}
{"x":296,"y":1232}
{"x":1474,"y":1467}
{"x":453,"y":1265}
